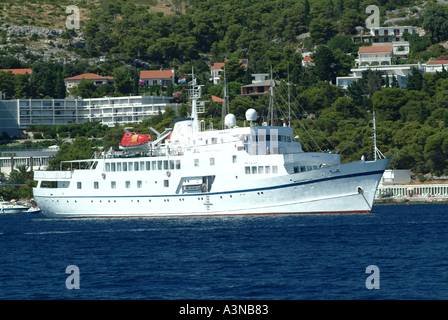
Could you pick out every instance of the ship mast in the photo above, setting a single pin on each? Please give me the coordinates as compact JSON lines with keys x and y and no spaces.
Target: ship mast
{"x":271,"y":104}
{"x":224,"y":103}
{"x":195,"y":94}
{"x":375,"y":149}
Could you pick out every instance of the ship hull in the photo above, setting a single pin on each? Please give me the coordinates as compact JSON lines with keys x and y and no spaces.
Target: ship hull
{"x":346,"y":188}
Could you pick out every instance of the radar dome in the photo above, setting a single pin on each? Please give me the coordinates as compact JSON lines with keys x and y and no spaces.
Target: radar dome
{"x":230,"y":120}
{"x":251,"y":115}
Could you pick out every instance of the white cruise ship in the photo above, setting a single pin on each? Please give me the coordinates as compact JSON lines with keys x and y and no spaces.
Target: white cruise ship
{"x":190,"y":172}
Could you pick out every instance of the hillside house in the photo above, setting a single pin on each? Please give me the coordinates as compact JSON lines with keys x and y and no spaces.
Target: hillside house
{"x":72,"y":82}
{"x":157,"y":77}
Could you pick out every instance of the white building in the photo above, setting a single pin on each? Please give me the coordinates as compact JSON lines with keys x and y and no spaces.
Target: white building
{"x":218,"y":67}
{"x":18,"y":114}
{"x":389,"y":34}
{"x":436,"y":66}
{"x":35,"y":159}
{"x":157,"y":77}
{"x":72,"y":82}
{"x":384,"y":34}
{"x":400,"y":71}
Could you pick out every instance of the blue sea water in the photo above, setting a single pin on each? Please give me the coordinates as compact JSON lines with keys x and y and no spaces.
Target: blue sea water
{"x":244,"y":257}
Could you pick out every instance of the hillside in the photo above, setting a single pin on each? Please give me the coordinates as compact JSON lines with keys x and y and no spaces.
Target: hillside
{"x":118,"y":38}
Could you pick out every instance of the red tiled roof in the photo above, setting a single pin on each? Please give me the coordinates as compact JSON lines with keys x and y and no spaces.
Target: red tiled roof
{"x":438,"y":62}
{"x":220,"y":65}
{"x":217,"y":99}
{"x":217,"y":65}
{"x":375,"y":49}
{"x":90,"y":76}
{"x":18,"y":71}
{"x":156,"y":74}
{"x":244,"y":64}
{"x":307,"y":58}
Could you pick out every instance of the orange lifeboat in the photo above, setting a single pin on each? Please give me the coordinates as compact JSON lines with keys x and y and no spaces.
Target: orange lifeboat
{"x":135,"y":142}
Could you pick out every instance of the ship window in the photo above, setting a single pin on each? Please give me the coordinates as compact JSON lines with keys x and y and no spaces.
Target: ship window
{"x":288,"y":138}
{"x":274,"y":169}
{"x":159,"y":165}
{"x":125,"y":166}
{"x":254,"y":170}
{"x":261,"y":137}
{"x":214,"y":140}
{"x":95,"y":185}
{"x":154,"y":165}
{"x":139,"y":184}
{"x":196,"y":162}
{"x":314,"y":167}
{"x":274,"y":136}
{"x":135,"y":166}
{"x":166,"y":183}
{"x":247,"y":170}
{"x":279,"y":138}
{"x":148,"y":165}
{"x":165,"y":164}
{"x":131,"y":166}
{"x":260,"y":170}
{"x":234,"y":159}
{"x":308,"y":168}
{"x":284,"y":138}
{"x":113,"y":185}
{"x":118,"y":166}
{"x":112,"y":167}
{"x":171,"y":164}
{"x":127,"y":184}
{"x":212,"y":161}
{"x":178,"y":164}
{"x":302,"y":168}
{"x":142,"y":165}
{"x":296,"y":170}
{"x":79,"y":185}
{"x":267,"y":169}
{"x":107,"y":166}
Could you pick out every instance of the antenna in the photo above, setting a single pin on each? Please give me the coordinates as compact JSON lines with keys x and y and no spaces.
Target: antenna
{"x":289,"y":99}
{"x":375,"y":149}
{"x":271,"y":104}
{"x":224,"y":104}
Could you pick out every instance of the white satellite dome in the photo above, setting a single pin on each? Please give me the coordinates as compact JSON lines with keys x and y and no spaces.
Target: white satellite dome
{"x":230,"y":120}
{"x":251,"y":115}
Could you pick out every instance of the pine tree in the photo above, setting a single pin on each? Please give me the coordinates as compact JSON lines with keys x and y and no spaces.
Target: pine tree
{"x":387,"y":81}
{"x":307,"y":13}
{"x":394,"y":83}
{"x":60,"y":86}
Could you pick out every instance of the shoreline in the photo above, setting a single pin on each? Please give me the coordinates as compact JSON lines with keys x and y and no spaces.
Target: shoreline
{"x":414,"y":200}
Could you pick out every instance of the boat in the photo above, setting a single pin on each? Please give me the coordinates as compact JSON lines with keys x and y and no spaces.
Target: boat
{"x":33,"y":209}
{"x":135,"y":142}
{"x":255,"y":170}
{"x":12,"y":207}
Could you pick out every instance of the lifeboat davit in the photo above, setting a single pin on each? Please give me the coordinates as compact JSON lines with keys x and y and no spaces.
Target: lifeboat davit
{"x":135,"y":142}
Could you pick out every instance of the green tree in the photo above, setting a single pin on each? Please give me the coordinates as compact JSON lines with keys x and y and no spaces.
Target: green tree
{"x":415,"y":80}
{"x":234,"y":70}
{"x":60,"y":86}
{"x":124,"y":80}
{"x":7,"y":81}
{"x":86,"y":89}
{"x":323,"y":63}
{"x":22,"y":86}
{"x":435,"y":20}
